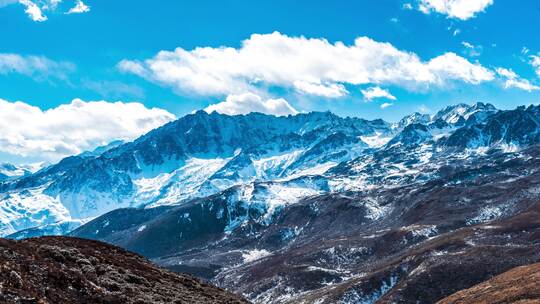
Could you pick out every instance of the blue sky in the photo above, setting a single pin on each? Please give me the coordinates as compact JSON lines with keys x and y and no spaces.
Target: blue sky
{"x":101,"y":52}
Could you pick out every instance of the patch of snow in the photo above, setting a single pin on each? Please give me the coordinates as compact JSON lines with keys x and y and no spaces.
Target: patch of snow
{"x":182,"y":184}
{"x":274,"y":165}
{"x":255,"y":254}
{"x":374,"y":210}
{"x":318,"y":169}
{"x":440,"y":133}
{"x":376,"y":141}
{"x":333,"y":271}
{"x":268,"y":198}
{"x":28,"y":209}
{"x":422,"y":230}
{"x":509,"y":148}
{"x":487,"y":214}
{"x":354,"y":296}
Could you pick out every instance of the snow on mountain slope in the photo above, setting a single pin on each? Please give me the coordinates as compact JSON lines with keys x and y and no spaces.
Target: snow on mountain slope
{"x":298,"y":242}
{"x":195,"y":156}
{"x":520,"y":127}
{"x":181,"y":184}
{"x":267,"y":199}
{"x":10,"y":171}
{"x":285,"y":158}
{"x":323,"y":217}
{"x":29,"y":208}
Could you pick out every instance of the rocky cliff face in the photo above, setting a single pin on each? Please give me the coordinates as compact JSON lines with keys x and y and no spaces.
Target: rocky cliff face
{"x":69,"y":270}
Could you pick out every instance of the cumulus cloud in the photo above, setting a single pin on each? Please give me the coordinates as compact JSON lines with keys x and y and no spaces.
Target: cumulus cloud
{"x":451,"y":66}
{"x":376,"y":92}
{"x":308,"y":66}
{"x":68,"y":129}
{"x":37,"y":67}
{"x":512,"y":80}
{"x":249,"y":102}
{"x":79,"y":8}
{"x":458,"y":9}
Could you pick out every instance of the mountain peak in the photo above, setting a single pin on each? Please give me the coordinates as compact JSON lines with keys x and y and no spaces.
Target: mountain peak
{"x":459,"y":113}
{"x":414,"y":118}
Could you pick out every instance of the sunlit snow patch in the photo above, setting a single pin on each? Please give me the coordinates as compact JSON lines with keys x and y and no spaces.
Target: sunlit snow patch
{"x":180,"y":185}
{"x":28,"y":209}
{"x":255,"y":254}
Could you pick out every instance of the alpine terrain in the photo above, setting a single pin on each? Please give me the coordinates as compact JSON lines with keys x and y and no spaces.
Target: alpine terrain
{"x":70,"y":270}
{"x":306,"y":208}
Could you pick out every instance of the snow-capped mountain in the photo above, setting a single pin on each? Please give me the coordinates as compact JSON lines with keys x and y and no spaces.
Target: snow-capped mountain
{"x":304,"y":208}
{"x":196,"y":156}
{"x":203,"y":154}
{"x":428,"y":229}
{"x":457,"y":114}
{"x":10,"y":171}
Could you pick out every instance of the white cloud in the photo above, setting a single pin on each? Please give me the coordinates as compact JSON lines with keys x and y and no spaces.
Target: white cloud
{"x":37,"y":9}
{"x":459,"y":9}
{"x":33,"y":11}
{"x":249,"y":102}
{"x":535,"y":62}
{"x":453,"y":67}
{"x":37,"y":67}
{"x":512,"y":80}
{"x":79,"y":8}
{"x":331,"y":90}
{"x":386,"y":105}
{"x":376,"y":92}
{"x":472,"y":50}
{"x":506,"y":73}
{"x":308,"y":66}
{"x":68,"y":129}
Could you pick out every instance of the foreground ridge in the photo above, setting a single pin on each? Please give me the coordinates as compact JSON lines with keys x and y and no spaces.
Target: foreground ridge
{"x":71,"y":270}
{"x":520,"y":284}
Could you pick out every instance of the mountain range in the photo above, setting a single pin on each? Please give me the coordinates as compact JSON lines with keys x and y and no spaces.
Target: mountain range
{"x":306,"y":208}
